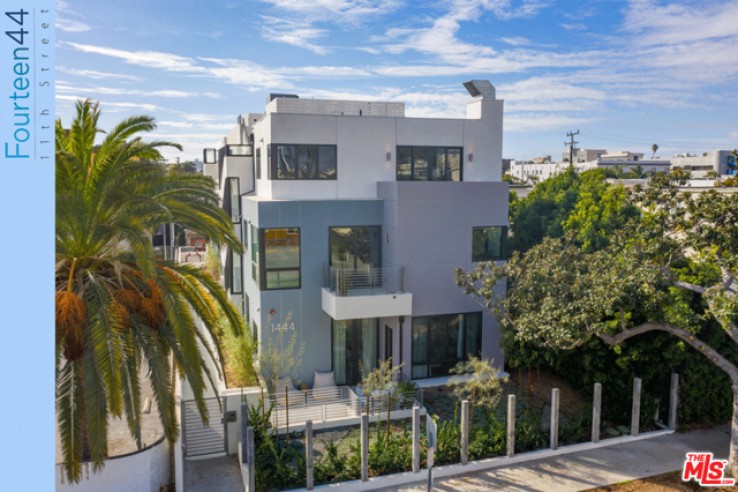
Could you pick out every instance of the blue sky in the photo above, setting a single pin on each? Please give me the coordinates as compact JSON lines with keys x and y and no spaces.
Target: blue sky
{"x":626,"y":74}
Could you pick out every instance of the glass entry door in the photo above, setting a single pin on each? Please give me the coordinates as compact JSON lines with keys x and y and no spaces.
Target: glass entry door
{"x":354,"y":349}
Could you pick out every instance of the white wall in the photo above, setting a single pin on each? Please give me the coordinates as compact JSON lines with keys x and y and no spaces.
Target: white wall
{"x":146,"y":470}
{"x":364,"y":141}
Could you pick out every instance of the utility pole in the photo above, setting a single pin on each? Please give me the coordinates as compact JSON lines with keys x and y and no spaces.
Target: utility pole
{"x":571,"y":143}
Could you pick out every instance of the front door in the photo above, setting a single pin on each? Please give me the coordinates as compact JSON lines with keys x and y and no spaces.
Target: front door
{"x":354,"y":349}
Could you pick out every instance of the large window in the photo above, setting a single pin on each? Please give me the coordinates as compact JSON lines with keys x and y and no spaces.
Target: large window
{"x":357,"y":247}
{"x":232,"y":199}
{"x":354,"y":349}
{"x":440,"y":342}
{"x":415,"y":163}
{"x":489,"y":243}
{"x":279,"y":258}
{"x":303,"y":161}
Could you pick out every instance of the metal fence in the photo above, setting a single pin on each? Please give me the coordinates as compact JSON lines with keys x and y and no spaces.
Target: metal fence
{"x":364,"y":280}
{"x":339,"y":402}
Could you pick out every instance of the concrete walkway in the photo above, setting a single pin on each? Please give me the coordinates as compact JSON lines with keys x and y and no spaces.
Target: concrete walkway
{"x":221,"y":474}
{"x":589,"y":469}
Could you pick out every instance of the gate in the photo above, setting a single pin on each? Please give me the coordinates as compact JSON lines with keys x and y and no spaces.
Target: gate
{"x":200,"y":439}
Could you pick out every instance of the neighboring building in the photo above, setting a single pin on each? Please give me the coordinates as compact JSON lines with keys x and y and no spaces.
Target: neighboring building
{"x":354,"y":217}
{"x":583,"y":155}
{"x":626,"y":165}
{"x":620,"y":156}
{"x":719,"y":162}
{"x":531,"y":171}
{"x":541,"y":168}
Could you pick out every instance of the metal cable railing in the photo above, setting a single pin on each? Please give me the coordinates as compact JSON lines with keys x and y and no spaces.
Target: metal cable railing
{"x":364,"y":280}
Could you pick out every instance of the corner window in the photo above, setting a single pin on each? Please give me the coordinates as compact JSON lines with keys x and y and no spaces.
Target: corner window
{"x":280,"y":258}
{"x":489,"y":243}
{"x":440,"y":342}
{"x":415,"y":163}
{"x":313,"y":162}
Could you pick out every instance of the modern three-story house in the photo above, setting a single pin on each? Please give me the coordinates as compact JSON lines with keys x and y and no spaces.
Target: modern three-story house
{"x":353,"y":217}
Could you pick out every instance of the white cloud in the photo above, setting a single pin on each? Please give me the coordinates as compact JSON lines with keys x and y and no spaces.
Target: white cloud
{"x":94,"y":74}
{"x":111,"y":106}
{"x":515,"y":41}
{"x":335,"y":10}
{"x":536,"y":122}
{"x":64,"y":87}
{"x":64,"y":22}
{"x":292,"y":33}
{"x":152,"y":59}
{"x":71,"y":25}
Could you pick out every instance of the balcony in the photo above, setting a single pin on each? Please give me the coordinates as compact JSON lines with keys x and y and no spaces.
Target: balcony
{"x":365,"y":292}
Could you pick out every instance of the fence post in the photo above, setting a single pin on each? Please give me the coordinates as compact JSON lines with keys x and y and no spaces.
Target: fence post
{"x":251,"y":459}
{"x":287,"y":413}
{"x":635,"y":418}
{"x":673,"y":400}
{"x":464,"y":432}
{"x":309,"y":454}
{"x":244,"y":426}
{"x":416,"y":439}
{"x":510,"y":425}
{"x":554,"y":418}
{"x":596,"y":412}
{"x":364,"y":447}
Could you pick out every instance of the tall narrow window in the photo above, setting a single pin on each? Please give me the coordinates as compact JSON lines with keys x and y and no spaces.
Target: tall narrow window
{"x":236,"y":273}
{"x":255,"y":253}
{"x":489,"y":243}
{"x":258,"y":163}
{"x":280,"y":258}
{"x":232,"y":200}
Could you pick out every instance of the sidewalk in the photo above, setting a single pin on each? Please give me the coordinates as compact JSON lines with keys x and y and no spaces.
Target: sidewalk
{"x":586,"y":470}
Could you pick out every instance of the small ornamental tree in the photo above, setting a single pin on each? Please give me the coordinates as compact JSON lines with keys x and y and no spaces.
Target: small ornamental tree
{"x":478,"y":381}
{"x":668,"y":271}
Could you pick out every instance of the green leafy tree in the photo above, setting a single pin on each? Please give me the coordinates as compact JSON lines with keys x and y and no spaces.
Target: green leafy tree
{"x":121,"y":313}
{"x":565,"y":202}
{"x":665,"y":273}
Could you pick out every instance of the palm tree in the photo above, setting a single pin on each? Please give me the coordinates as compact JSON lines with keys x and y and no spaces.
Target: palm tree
{"x":637,"y":172}
{"x":122,"y":314}
{"x":654,"y":147}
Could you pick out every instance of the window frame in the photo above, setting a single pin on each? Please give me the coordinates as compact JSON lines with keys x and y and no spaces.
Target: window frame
{"x":430,"y":160}
{"x":426,"y":361}
{"x":263,"y":269}
{"x":273,"y":165}
{"x":257,"y":158}
{"x":228,"y":198}
{"x":504,"y":247}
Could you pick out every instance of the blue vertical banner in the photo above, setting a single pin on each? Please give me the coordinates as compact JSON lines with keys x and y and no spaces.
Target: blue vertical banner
{"x":27,"y":38}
